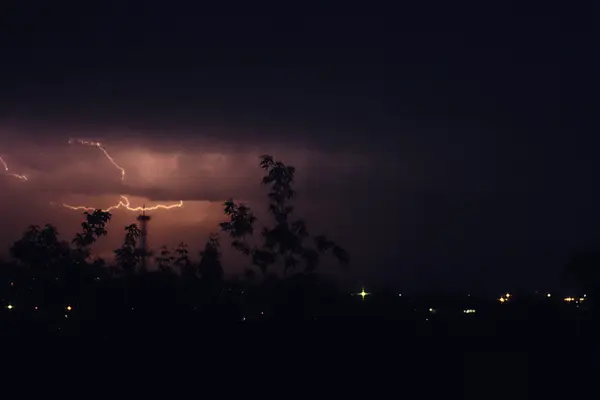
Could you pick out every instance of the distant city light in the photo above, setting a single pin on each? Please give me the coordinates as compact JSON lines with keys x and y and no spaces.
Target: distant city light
{"x":363,"y":293}
{"x":577,"y":300}
{"x":506,"y":297}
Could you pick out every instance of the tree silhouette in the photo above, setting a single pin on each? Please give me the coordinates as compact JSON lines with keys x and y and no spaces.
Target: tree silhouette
{"x":93,"y":228}
{"x":40,"y":248}
{"x":128,"y":256}
{"x":183,"y":261}
{"x":249,"y":274}
{"x":164,"y":259}
{"x":210,"y":268}
{"x":285,"y":240}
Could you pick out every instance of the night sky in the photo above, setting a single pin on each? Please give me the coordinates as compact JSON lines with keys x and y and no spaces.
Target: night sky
{"x":445,"y":145}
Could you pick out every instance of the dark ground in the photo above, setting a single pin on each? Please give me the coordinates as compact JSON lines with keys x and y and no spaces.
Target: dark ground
{"x":329,"y":345}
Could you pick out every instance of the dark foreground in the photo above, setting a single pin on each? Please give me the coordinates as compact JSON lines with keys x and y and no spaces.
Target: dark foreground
{"x":347,"y":350}
{"x":144,"y":312}
{"x":299,"y":342}
{"x":341,"y":359}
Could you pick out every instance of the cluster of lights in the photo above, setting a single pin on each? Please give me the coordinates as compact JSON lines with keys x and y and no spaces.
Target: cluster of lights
{"x":573,"y":299}
{"x":505,"y":298}
{"x":35,"y":308}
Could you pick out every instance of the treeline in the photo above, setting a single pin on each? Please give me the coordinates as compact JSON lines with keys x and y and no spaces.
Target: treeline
{"x":43,"y":269}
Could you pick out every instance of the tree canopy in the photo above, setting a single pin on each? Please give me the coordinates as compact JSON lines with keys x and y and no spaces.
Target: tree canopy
{"x":286,"y":240}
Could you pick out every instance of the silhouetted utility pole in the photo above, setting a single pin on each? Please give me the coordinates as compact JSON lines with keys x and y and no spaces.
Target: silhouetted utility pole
{"x":144,"y":219}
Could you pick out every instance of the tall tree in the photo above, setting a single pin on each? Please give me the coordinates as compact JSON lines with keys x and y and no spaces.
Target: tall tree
{"x":285,"y":240}
{"x":128,"y":255}
{"x":93,"y":227}
{"x":210,"y":267}
{"x":164,"y":259}
{"x":183,"y":262}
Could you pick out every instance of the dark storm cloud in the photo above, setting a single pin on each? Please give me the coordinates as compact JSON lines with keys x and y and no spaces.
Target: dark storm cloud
{"x":215,"y":162}
{"x":183,"y":165}
{"x":436,"y":146}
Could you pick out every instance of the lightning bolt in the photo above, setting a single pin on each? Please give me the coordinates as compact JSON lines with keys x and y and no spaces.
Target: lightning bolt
{"x":18,"y":176}
{"x":125,"y":204}
{"x":101,"y":147}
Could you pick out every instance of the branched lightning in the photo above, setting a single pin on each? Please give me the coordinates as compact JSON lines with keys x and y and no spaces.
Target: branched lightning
{"x":18,"y":176}
{"x":124,"y":203}
{"x":99,"y":146}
